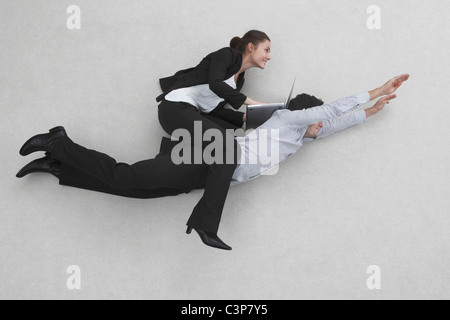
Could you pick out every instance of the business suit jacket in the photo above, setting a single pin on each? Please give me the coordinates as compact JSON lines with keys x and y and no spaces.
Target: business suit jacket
{"x":213,"y":69}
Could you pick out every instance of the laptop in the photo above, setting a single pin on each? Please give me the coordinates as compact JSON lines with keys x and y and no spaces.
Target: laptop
{"x":259,"y":113}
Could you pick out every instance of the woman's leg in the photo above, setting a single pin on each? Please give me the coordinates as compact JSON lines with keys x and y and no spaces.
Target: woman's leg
{"x":224,"y":124}
{"x":207,"y":214}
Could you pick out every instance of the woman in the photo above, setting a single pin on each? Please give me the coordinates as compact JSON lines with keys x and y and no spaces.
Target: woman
{"x":194,"y":95}
{"x":205,"y":89}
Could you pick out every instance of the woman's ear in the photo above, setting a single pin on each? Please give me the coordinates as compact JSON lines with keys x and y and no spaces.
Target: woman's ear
{"x":250,"y":47}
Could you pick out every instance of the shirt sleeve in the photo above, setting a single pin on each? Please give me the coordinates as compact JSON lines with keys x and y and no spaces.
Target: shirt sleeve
{"x":341,"y":123}
{"x":233,"y":117}
{"x":220,"y":62}
{"x":326,"y":111}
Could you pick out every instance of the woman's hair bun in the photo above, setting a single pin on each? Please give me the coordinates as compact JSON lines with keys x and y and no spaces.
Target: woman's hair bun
{"x":234,"y":43}
{"x":254,"y":36}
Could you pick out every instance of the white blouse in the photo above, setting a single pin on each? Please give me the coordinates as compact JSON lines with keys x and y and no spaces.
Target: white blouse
{"x":199,"y":96}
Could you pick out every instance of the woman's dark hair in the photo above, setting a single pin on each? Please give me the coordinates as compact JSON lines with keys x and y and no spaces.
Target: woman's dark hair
{"x":304,"y":101}
{"x":253,"y":36}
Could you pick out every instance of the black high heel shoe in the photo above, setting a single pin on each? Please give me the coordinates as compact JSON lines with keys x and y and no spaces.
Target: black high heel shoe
{"x":210,"y":239}
{"x":45,"y":165}
{"x":42,"y":142}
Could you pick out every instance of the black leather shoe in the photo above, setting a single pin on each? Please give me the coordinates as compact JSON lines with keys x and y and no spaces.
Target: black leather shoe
{"x":210,"y":239}
{"x":45,"y":165}
{"x":43,"y":142}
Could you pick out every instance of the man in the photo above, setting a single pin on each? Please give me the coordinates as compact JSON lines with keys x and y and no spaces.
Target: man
{"x":308,"y":119}
{"x":305,"y":121}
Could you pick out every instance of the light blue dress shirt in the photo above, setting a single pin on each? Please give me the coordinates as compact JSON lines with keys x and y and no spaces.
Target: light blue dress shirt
{"x":283,"y":134}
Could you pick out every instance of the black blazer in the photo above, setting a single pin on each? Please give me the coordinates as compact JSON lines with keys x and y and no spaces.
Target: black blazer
{"x":213,"y":69}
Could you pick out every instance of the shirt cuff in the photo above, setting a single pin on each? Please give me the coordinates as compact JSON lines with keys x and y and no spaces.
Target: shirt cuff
{"x":360,"y":116}
{"x":364,"y":97}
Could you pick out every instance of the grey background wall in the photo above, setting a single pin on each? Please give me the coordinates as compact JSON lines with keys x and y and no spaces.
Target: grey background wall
{"x":376,"y":194}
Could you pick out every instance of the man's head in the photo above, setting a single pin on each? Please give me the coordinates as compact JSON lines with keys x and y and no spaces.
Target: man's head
{"x":305,"y":101}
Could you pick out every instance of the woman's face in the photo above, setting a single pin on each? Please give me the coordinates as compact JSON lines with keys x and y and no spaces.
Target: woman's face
{"x":261,"y":54}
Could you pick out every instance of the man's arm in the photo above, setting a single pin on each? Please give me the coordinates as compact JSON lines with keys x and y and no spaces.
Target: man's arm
{"x":345,"y":105}
{"x":389,"y":87}
{"x":337,"y":124}
{"x":386,"y":90}
{"x":326,"y":111}
{"x":348,"y":120}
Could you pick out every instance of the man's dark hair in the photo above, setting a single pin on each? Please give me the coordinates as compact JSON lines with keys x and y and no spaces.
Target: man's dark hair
{"x":304,"y":101}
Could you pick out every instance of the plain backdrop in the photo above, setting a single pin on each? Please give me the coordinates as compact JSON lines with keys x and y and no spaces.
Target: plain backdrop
{"x":376,"y":194}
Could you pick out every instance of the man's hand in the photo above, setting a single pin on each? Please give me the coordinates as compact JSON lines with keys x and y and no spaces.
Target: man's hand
{"x":377,"y":107}
{"x":389,"y":87}
{"x":392,"y":85}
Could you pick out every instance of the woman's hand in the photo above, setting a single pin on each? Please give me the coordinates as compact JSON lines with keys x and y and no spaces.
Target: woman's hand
{"x":250,"y":102}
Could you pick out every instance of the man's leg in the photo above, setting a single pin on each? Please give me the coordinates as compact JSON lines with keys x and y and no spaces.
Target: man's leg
{"x":151,"y":174}
{"x":72,"y":177}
